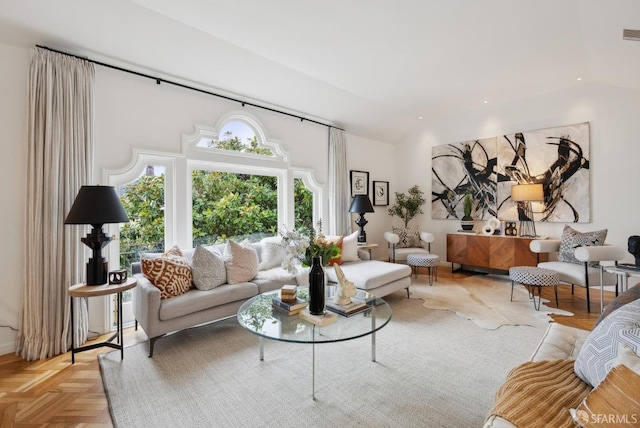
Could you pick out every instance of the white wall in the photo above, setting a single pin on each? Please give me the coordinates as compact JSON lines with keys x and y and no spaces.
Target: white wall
{"x":378,"y":159}
{"x":13,"y":117}
{"x":614,"y":153}
{"x":134,"y":112}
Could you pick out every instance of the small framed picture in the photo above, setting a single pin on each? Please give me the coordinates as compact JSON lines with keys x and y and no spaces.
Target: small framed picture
{"x":359,"y":183}
{"x":381,"y":193}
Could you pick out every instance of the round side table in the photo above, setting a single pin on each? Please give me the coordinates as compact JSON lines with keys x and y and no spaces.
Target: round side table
{"x":84,"y":290}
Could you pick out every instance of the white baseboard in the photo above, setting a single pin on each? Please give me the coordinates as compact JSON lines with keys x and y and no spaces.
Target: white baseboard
{"x":7,"y":348}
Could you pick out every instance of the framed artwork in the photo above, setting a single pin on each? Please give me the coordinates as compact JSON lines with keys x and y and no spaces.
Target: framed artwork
{"x":381,"y":193}
{"x":359,"y":183}
{"x":558,"y":158}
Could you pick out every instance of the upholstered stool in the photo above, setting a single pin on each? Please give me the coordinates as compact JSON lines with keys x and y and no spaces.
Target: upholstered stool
{"x":531,"y":277}
{"x":430,"y":261}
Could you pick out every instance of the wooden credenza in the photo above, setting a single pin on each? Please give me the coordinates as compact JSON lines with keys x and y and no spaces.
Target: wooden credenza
{"x":490,"y":251}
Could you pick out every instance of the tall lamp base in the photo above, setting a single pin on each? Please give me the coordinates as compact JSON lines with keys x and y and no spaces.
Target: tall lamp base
{"x":362,"y":236}
{"x":527,"y":225}
{"x":97,"y":267}
{"x":97,"y":271}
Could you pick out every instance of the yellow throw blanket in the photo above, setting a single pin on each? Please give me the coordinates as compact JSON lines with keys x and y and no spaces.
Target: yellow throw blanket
{"x":540,"y":394}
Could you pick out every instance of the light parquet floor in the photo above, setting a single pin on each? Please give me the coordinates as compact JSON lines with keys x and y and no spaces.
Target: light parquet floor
{"x":56,"y":393}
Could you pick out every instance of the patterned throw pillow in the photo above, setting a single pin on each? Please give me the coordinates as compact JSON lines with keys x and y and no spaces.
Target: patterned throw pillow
{"x":409,"y":237}
{"x":627,"y":297}
{"x":572,"y":239}
{"x":241,"y":262}
{"x":610,"y":344}
{"x":170,"y":272}
{"x":208,"y":269}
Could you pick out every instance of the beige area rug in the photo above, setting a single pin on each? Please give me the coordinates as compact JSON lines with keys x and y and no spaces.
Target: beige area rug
{"x":484,"y":299}
{"x":433,"y":369}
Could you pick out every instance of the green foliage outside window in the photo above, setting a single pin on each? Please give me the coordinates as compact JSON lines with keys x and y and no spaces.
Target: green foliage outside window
{"x":225,"y":205}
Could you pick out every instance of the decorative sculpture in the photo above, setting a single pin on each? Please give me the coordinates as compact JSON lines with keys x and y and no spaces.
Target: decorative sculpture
{"x":633,"y":245}
{"x":345,"y":289}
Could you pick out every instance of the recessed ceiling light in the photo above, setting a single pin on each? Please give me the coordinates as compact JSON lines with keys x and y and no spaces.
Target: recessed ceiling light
{"x":486,"y":102}
{"x":579,"y":78}
{"x":419,"y":117}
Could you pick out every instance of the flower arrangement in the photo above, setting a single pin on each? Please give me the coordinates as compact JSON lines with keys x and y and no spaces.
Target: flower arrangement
{"x":303,"y":245}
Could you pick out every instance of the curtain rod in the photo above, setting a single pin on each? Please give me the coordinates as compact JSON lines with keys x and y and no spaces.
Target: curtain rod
{"x":160,"y":80}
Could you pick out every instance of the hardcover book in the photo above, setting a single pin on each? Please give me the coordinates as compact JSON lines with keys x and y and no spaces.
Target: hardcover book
{"x":290,"y":306}
{"x":355,"y":307}
{"x":284,"y":311}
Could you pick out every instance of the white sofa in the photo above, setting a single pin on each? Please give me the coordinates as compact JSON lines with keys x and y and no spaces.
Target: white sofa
{"x":559,"y":342}
{"x":161,"y":316}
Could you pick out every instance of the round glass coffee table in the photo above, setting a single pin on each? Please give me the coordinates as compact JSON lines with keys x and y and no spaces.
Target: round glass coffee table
{"x":258,"y":316}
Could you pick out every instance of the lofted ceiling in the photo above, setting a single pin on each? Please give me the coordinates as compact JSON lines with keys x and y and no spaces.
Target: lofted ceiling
{"x":370,"y":66}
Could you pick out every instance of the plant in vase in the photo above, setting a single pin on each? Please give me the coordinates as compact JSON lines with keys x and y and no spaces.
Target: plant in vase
{"x":304,"y":244}
{"x":408,"y":206}
{"x":467,"y":220}
{"x":310,"y":248}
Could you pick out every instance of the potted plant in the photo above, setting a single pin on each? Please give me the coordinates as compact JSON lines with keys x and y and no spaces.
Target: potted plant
{"x":408,"y":206}
{"x":467,"y":220}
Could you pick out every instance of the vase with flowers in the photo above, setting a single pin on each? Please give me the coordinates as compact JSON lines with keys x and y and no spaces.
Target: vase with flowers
{"x":310,"y":248}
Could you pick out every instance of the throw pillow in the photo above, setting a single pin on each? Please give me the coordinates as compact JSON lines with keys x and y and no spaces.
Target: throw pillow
{"x":604,"y":348}
{"x":170,"y":272}
{"x":338,"y":240}
{"x":627,"y":297}
{"x":409,"y":237}
{"x":572,"y":239}
{"x":241,"y":262}
{"x":350,"y":247}
{"x":616,"y":401}
{"x":208,"y":269}
{"x":272,"y":253}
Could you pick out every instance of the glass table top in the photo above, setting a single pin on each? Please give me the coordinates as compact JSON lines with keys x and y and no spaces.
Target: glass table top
{"x":258,"y":316}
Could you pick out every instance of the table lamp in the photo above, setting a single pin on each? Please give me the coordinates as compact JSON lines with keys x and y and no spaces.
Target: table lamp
{"x":96,"y":205}
{"x":361,"y":204}
{"x":524,"y":194}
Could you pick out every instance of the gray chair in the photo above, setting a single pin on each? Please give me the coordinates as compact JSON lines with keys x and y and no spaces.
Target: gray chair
{"x":583,"y":274}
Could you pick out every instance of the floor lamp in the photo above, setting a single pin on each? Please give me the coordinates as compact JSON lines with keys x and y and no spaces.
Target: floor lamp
{"x":524,"y":194}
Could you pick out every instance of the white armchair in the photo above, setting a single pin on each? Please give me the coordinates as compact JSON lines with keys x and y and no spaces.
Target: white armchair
{"x":399,"y":254}
{"x":581,"y":274}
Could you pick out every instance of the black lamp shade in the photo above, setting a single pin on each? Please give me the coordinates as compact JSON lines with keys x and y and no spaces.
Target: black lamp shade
{"x":361,"y":204}
{"x":96,"y":205}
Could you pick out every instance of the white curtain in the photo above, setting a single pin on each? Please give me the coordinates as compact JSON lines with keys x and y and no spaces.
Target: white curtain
{"x":339,"y":193}
{"x":59,"y":162}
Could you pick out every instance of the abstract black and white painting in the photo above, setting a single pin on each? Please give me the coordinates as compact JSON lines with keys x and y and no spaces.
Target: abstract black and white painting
{"x":557,"y":158}
{"x":461,"y":168}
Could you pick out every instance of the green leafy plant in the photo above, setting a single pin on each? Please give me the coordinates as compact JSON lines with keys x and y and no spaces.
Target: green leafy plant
{"x":408,"y":206}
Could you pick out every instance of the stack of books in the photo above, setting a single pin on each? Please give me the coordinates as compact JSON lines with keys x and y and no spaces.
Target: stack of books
{"x":288,"y":302}
{"x":288,"y":293}
{"x":355,"y":307}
